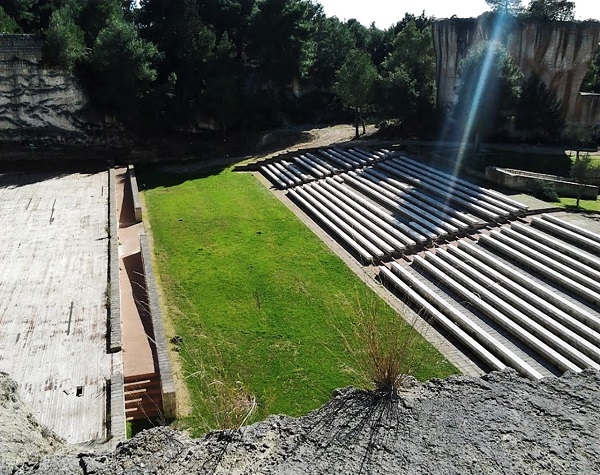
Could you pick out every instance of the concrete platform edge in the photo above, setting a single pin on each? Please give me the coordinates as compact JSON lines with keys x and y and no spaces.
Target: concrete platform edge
{"x":164,"y":363}
{"x":113,"y":290}
{"x":118,"y":427}
{"x":137,"y":202}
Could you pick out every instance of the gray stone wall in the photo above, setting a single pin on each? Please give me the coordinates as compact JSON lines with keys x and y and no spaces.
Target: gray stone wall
{"x":528,"y":181}
{"x":118,"y":421}
{"x":35,"y":99}
{"x":114,"y":289}
{"x":167,"y":383}
{"x":20,"y":47}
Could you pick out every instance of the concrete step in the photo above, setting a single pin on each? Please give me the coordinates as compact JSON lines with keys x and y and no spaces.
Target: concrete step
{"x":563,"y":277}
{"x":527,"y":281}
{"x":587,"y":348}
{"x":571,"y":234}
{"x":477,"y":339}
{"x":363,"y":253}
{"x":143,"y":396}
{"x":521,"y":327}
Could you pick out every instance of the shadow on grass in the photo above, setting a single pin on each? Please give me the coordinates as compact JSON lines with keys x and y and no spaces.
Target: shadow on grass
{"x":581,"y":209}
{"x":158,"y":175}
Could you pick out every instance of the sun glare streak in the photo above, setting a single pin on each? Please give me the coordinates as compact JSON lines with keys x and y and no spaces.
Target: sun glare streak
{"x":474,"y":111}
{"x":482,"y":80}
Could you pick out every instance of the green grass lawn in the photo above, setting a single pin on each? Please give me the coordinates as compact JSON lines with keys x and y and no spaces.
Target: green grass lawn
{"x":257,"y":299}
{"x":584,"y":205}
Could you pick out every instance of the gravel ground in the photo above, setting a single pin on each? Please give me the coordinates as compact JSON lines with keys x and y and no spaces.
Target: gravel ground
{"x":500,"y":423}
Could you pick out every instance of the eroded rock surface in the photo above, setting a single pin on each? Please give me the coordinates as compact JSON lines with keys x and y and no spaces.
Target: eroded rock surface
{"x":22,"y":438}
{"x":501,"y":423}
{"x":42,"y":105}
{"x":32,"y":97}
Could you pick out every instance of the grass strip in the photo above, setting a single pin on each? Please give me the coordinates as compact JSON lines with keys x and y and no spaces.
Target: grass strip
{"x":258,"y":302}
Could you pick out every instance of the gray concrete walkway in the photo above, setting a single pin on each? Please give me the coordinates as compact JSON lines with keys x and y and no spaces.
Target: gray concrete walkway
{"x":53,"y":297}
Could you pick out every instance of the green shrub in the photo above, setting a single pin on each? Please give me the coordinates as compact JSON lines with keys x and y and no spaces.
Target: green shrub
{"x":64,"y":46}
{"x":544,"y":190}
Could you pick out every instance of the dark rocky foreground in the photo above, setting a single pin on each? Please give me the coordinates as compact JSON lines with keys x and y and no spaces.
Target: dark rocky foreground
{"x":22,"y":438}
{"x":500,"y":423}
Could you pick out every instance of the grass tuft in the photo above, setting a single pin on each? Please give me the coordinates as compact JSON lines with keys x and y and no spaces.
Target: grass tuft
{"x":384,"y":349}
{"x":224,"y":402}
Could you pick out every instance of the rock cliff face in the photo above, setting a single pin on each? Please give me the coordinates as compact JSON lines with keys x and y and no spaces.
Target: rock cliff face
{"x":587,"y":110}
{"x":560,"y":53}
{"x":37,"y":102}
{"x":32,"y":97}
{"x":501,"y":423}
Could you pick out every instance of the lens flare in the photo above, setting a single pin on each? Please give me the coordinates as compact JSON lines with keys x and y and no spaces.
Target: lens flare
{"x":483,"y":79}
{"x":474,"y":108}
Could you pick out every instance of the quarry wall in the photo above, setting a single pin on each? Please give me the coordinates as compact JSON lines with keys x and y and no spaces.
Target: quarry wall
{"x":500,"y":423}
{"x":36,"y":101}
{"x":560,"y":53}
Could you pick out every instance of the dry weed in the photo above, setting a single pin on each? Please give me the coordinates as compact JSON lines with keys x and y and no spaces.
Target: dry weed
{"x":224,"y":402}
{"x":381,"y":347}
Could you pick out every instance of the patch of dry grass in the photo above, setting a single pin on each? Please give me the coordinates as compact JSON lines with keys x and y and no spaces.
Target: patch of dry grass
{"x":384,"y":349}
{"x":226,"y":402}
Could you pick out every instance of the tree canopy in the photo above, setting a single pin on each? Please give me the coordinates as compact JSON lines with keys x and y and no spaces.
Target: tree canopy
{"x":355,"y":81}
{"x":184,"y":65}
{"x":591,"y":81}
{"x":510,"y":7}
{"x":408,"y":77}
{"x":490,"y":87}
{"x":7,"y":23}
{"x":539,"y":113}
{"x":65,"y":45}
{"x":557,"y":10}
{"x":121,"y":63}
{"x":280,"y":39}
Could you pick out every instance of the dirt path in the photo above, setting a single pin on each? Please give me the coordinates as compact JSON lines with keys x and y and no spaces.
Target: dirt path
{"x":318,"y":137}
{"x":278,"y":142}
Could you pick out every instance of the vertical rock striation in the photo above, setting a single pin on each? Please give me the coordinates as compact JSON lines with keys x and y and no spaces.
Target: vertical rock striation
{"x":560,"y":53}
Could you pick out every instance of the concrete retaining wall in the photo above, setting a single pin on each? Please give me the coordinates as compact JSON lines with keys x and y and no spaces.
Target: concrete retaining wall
{"x":527,"y":182}
{"x":113,"y":289}
{"x":118,"y":424}
{"x":137,"y":202}
{"x":164,"y":363}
